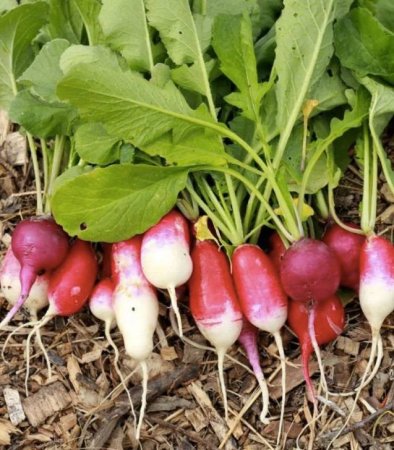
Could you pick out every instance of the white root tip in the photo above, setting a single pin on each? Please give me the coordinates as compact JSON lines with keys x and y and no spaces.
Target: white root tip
{"x":221,"y":354}
{"x":279,"y":344}
{"x":174,"y":305}
{"x":144,"y":369}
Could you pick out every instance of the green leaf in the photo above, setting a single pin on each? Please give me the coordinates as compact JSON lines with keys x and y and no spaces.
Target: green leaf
{"x":89,"y":11}
{"x":329,"y":91}
{"x":65,"y":21}
{"x":41,"y":118}
{"x":18,"y":27}
{"x":44,"y":73}
{"x":78,"y":54}
{"x":195,"y":149}
{"x":364,"y":45}
{"x":304,"y":36}
{"x":233,"y":43}
{"x":131,"y":108}
{"x":6,"y":5}
{"x":125,"y":28}
{"x":117,"y":202}
{"x":186,"y":37}
{"x":380,"y":113}
{"x":94,"y":145}
{"x":385,"y":13}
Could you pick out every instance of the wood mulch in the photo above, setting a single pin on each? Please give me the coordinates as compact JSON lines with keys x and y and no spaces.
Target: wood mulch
{"x":83,"y":405}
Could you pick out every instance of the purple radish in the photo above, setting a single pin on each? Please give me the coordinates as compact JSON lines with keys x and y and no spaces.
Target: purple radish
{"x":165,"y":256}
{"x":136,"y":308}
{"x":248,"y":338}
{"x":40,"y":245}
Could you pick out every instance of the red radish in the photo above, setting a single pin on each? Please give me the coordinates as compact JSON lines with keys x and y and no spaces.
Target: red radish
{"x":347,"y":247}
{"x":277,"y":249}
{"x":101,"y":306}
{"x":262,"y":299}
{"x":310,"y":271}
{"x":248,"y":339}
{"x":213,"y":302}
{"x":328,"y":323}
{"x":40,"y":245}
{"x":136,"y":307}
{"x":70,"y":286}
{"x":165,"y":256}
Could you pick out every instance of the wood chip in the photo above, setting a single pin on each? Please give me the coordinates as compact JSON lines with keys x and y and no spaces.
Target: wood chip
{"x":14,"y":406}
{"x":15,"y":149}
{"x":68,"y":421}
{"x":45,"y":403}
{"x":387,"y":194}
{"x":168,"y":403}
{"x":192,"y":354}
{"x":91,"y":356}
{"x":168,"y":353}
{"x":197,"y":419}
{"x":294,"y":377}
{"x":349,"y":346}
{"x":215,"y":420}
{"x":6,"y":429}
{"x":387,"y":215}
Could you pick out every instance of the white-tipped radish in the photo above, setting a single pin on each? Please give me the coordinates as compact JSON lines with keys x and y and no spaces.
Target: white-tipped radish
{"x":165,"y":256}
{"x":262,"y":299}
{"x":101,"y":306}
{"x":136,"y":308}
{"x":213,"y":302}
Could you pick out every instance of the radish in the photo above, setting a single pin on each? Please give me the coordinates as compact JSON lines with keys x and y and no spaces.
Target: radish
{"x":248,"y":339}
{"x":100,"y":305}
{"x":105,"y":269}
{"x":136,"y":307}
{"x":165,"y":256}
{"x":328,"y":321}
{"x":262,"y":299}
{"x":376,"y":292}
{"x":310,"y":273}
{"x":70,"y":286}
{"x":347,"y":247}
{"x":213,"y":302}
{"x":40,"y":245}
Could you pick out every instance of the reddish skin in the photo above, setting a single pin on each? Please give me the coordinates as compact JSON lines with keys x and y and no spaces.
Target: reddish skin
{"x":248,"y":338}
{"x":329,"y":323}
{"x":211,"y":286}
{"x":71,"y":284}
{"x":257,"y":284}
{"x":172,"y":226}
{"x":102,"y":293}
{"x":277,"y":250}
{"x":347,"y":247}
{"x":310,"y":271}
{"x":40,"y":245}
{"x":377,"y":259}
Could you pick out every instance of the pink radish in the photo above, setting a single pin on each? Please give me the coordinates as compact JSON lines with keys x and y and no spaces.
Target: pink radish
{"x":136,"y":307}
{"x":165,"y":256}
{"x":262,"y":299}
{"x":40,"y":245}
{"x":328,"y":322}
{"x":213,"y":302}
{"x":310,"y":273}
{"x":70,"y":286}
{"x":248,"y":339}
{"x":101,"y":306}
{"x":347,"y":247}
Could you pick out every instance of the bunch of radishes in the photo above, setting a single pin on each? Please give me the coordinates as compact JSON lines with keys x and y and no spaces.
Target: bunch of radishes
{"x":227,"y":301}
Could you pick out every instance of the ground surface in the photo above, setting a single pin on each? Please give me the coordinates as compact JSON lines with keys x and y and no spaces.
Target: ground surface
{"x":75,"y":409}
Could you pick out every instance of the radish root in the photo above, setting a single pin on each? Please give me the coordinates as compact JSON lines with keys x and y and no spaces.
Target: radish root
{"x":107,"y":331}
{"x":174,"y":305}
{"x":221,"y":354}
{"x":24,"y":325}
{"x":279,"y":344}
{"x":144,"y":369}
